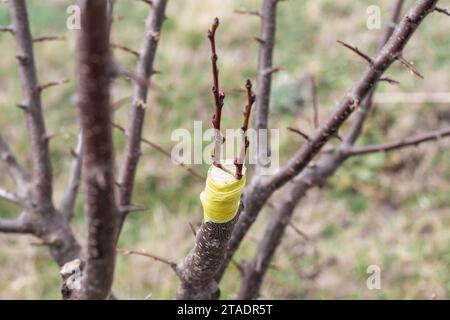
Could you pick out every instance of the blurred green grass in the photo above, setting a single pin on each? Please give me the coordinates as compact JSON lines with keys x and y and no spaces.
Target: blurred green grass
{"x":386,"y":209}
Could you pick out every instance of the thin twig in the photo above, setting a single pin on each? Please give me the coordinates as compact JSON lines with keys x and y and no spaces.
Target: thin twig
{"x":357,"y":51}
{"x":194,"y":232}
{"x":299,"y":132}
{"x":53,"y":83}
{"x":389,"y":80}
{"x":442,"y":10}
{"x":125,"y":48}
{"x":48,"y":38}
{"x":407,"y":142}
{"x":148,"y":255}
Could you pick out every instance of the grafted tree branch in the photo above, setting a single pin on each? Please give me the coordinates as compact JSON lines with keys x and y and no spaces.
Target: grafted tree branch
{"x":94,"y":63}
{"x":137,"y":111}
{"x":257,"y":197}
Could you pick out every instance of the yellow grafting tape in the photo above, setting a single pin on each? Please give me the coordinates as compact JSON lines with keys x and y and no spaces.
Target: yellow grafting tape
{"x":222,"y":193}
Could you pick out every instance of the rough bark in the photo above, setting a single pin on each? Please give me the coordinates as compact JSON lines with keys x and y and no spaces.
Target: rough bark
{"x":94,"y":64}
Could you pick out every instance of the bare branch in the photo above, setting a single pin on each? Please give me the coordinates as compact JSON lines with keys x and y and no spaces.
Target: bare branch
{"x":394,"y":145}
{"x":255,"y":200}
{"x":357,"y":51}
{"x":41,"y":165}
{"x":70,"y":195}
{"x":133,"y":132}
{"x":94,"y":63}
{"x":219,"y":96}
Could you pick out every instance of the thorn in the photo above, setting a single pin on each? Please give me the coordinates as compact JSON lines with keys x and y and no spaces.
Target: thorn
{"x":273,"y":70}
{"x":194,"y":232}
{"x":261,"y":41}
{"x":389,"y":80}
{"x":22,"y":107}
{"x":52,"y":84}
{"x":442,"y":10}
{"x":357,"y":51}
{"x":125,"y":49}
{"x":298,"y":231}
{"x":48,"y":38}
{"x":410,"y":66}
{"x":304,"y":135}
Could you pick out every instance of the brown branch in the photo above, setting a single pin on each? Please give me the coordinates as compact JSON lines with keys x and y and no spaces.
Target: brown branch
{"x":148,"y":255}
{"x":394,"y":145}
{"x":94,"y":63}
{"x":52,"y":84}
{"x":266,"y":42}
{"x":357,"y":51}
{"x":239,"y":161}
{"x":48,"y":38}
{"x":165,"y":153}
{"x":125,"y":48}
{"x":219,"y":96}
{"x":248,"y":12}
{"x":255,"y":200}
{"x":299,"y":132}
{"x":149,"y":2}
{"x":442,"y":10}
{"x":136,"y":116}
{"x":384,"y":58}
{"x":389,"y":80}
{"x":41,"y":165}
{"x":70,"y":195}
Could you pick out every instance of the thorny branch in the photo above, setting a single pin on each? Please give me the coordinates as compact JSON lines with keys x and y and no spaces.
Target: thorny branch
{"x":258,"y":195}
{"x":134,"y":127}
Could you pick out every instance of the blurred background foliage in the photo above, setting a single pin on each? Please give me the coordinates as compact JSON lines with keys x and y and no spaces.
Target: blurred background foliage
{"x":390,"y":210}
